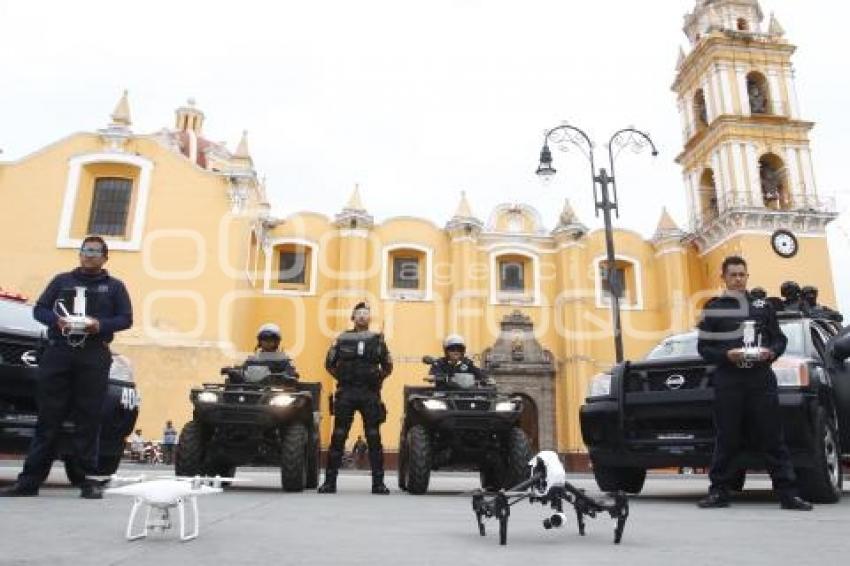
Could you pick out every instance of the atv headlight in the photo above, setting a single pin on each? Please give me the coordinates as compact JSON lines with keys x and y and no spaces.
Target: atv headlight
{"x":600,"y":386}
{"x":505,"y":406}
{"x":282,"y":400}
{"x":208,"y":397}
{"x":434,"y":405}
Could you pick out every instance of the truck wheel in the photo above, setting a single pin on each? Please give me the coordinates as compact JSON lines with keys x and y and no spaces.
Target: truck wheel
{"x":189,"y":453}
{"x":403,"y":457}
{"x":823,"y":482}
{"x":314,"y":455}
{"x":293,"y":458}
{"x":419,"y":460}
{"x":610,"y":479}
{"x":519,"y":453}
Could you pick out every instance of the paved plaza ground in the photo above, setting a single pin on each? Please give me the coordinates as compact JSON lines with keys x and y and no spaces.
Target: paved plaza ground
{"x":258,"y":524}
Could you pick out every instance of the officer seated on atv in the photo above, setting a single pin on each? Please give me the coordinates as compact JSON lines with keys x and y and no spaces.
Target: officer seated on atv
{"x":268,"y":362}
{"x":454,"y":362}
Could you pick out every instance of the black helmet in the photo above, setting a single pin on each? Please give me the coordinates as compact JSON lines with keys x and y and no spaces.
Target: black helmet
{"x":758,"y":293}
{"x":269,"y":331}
{"x":790,"y":290}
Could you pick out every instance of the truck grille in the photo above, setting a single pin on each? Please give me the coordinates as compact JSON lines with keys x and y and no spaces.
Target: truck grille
{"x":646,"y":380}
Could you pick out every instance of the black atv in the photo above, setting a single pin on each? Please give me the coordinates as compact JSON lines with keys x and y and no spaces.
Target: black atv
{"x":260,"y":416}
{"x":459,"y":423}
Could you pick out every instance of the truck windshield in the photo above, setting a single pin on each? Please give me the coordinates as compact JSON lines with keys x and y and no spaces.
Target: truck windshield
{"x":685,"y":345}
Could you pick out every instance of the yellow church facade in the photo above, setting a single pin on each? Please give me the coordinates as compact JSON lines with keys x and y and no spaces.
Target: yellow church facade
{"x":206,"y":263}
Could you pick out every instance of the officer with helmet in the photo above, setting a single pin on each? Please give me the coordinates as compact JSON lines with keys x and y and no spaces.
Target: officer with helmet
{"x":360,"y":361}
{"x":455,"y":361}
{"x":267,"y":357}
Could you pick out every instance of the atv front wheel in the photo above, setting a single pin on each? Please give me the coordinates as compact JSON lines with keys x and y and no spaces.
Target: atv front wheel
{"x":293,"y":458}
{"x":189,"y":453}
{"x":418,"y":460}
{"x":518,"y":455}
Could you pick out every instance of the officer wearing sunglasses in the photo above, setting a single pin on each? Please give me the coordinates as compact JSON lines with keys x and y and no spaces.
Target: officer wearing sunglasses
{"x":74,"y":368}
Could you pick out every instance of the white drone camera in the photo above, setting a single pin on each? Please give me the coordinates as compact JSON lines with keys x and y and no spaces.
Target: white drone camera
{"x":77,"y":322}
{"x":752,"y":344}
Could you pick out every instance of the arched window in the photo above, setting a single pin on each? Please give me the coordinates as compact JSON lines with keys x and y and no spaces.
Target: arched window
{"x":743,"y":25}
{"x":709,"y":208}
{"x":291,"y":266}
{"x":406,"y":272}
{"x":700,"y":110}
{"x":625,"y":283}
{"x":758,"y":93}
{"x":774,"y":182}
{"x":515,"y":277}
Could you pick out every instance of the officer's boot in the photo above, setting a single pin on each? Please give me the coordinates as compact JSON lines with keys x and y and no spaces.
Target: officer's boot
{"x":19,"y":490}
{"x":378,"y":487}
{"x":329,"y":486}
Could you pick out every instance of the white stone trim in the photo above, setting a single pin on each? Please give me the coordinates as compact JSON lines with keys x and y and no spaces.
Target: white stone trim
{"x":72,"y":188}
{"x":253,"y":250}
{"x":778,"y":106}
{"x":355,"y":233}
{"x":390,"y":294}
{"x":792,"y":164}
{"x":743,"y":95}
{"x":496,"y":296}
{"x":673,"y":250}
{"x":756,"y":198}
{"x":791,"y":85}
{"x":726,"y":88}
{"x":314,"y":268}
{"x":752,"y":232}
{"x":708,"y":96}
{"x":719,"y":180}
{"x":808,"y":171}
{"x":689,"y":114}
{"x":737,"y":158}
{"x":601,"y":303}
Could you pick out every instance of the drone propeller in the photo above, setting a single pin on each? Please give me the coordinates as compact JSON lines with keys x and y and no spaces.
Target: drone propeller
{"x":117,"y":478}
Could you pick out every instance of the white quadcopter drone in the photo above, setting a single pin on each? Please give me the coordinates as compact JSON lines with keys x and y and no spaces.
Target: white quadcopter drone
{"x":161,"y":495}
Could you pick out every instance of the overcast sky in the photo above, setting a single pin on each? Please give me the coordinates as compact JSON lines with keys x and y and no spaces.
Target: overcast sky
{"x":413,"y":100}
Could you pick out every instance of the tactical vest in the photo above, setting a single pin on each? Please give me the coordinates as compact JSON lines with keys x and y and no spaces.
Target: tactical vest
{"x":360,"y":353}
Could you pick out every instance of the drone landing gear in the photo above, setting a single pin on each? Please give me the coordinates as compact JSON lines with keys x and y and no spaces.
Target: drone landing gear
{"x":498,"y":505}
{"x":161,"y":519}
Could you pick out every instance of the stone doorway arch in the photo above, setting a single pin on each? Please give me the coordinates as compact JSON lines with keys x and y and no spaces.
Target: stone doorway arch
{"x":520,"y":366}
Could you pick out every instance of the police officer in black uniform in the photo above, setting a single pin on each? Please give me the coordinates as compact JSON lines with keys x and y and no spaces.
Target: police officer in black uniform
{"x":74,"y":368}
{"x":790,"y":291}
{"x":455,"y":361}
{"x":745,"y":386}
{"x":809,"y":301}
{"x":360,"y":361}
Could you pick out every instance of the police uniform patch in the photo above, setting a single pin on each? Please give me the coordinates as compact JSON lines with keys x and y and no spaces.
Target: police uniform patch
{"x":759,"y":303}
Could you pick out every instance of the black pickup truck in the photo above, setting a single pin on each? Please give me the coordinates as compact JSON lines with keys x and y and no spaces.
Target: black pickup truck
{"x":21,"y":344}
{"x":657,"y":412}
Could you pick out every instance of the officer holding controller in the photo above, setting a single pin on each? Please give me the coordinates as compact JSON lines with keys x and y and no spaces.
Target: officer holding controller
{"x":740,"y":334}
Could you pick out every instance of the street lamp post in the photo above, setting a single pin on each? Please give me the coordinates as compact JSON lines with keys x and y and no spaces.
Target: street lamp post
{"x":602,"y":198}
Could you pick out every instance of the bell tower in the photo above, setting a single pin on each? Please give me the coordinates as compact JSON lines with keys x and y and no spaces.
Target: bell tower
{"x":747,"y":163}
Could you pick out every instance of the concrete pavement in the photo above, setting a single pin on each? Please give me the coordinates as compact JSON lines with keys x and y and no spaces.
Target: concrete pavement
{"x":257,"y":524}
